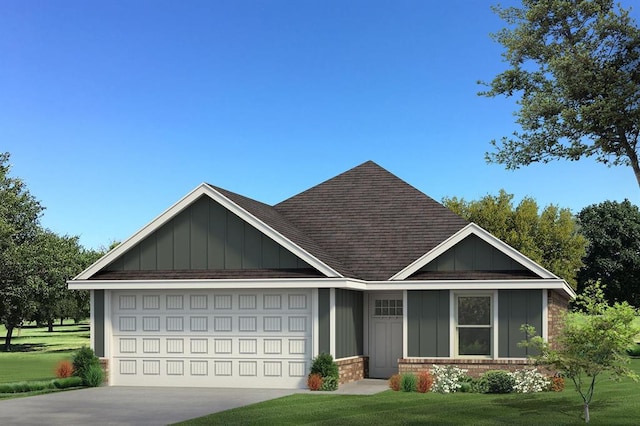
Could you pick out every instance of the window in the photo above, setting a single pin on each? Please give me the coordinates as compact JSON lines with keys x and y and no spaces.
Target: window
{"x":474,"y":325}
{"x":388,"y":308}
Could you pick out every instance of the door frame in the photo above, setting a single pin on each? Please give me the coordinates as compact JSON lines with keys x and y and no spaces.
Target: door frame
{"x":369,"y":314}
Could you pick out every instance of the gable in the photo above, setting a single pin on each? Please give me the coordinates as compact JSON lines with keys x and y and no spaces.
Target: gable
{"x":473,"y":254}
{"x":206,"y":236}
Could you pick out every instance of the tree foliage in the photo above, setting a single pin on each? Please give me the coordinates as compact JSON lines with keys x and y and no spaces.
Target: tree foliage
{"x":613,"y":254}
{"x":549,"y":237}
{"x":575,"y":68}
{"x":591,"y":342}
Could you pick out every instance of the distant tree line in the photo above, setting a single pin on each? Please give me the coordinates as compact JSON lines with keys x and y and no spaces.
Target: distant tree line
{"x":35,"y":263}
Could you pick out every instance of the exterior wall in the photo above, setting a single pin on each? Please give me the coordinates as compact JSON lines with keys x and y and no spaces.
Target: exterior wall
{"x":473,"y":254}
{"x":428,"y":323}
{"x":324,"y":321}
{"x":558,"y":305}
{"x":475,"y":367}
{"x":98,"y":322}
{"x":104,"y":363}
{"x":348,"y":327}
{"x":206,"y":236}
{"x":515,"y":308}
{"x":352,"y":369}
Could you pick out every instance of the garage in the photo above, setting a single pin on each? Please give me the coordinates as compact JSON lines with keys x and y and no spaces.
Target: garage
{"x":210,"y":338}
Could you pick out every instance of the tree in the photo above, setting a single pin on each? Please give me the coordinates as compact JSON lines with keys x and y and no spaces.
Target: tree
{"x":591,"y":342}
{"x":575,"y":66}
{"x":550,"y":238}
{"x":19,"y":224}
{"x":613,"y":254}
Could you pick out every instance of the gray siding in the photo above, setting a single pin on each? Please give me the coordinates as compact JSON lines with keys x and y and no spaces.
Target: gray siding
{"x":473,"y":254}
{"x":206,"y":236}
{"x":348,"y":323}
{"x":428,"y":323}
{"x":98,"y":322}
{"x":515,"y":308}
{"x":324,"y":321}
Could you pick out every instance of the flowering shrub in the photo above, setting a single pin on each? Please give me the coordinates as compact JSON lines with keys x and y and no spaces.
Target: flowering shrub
{"x":529,"y":381}
{"x":446,"y":379}
{"x":425,"y":381}
{"x":394,"y":382}
{"x":64,"y":369}
{"x":557,"y":384}
{"x":314,"y":381}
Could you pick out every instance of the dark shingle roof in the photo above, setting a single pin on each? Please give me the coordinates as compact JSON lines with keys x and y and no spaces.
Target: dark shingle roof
{"x":372,"y":221}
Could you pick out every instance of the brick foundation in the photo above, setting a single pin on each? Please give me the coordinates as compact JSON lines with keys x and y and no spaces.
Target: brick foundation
{"x":475,"y":367}
{"x":104,"y":363}
{"x":352,"y":369}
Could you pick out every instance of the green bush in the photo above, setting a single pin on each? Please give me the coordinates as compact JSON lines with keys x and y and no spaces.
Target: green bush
{"x":324,"y":365}
{"x":83,"y":360}
{"x":634,"y":350}
{"x":94,"y":376}
{"x":498,"y":381}
{"x":408,"y":382}
{"x":68,"y":382}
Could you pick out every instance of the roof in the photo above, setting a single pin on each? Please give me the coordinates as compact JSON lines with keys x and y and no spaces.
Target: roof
{"x":371,"y":220}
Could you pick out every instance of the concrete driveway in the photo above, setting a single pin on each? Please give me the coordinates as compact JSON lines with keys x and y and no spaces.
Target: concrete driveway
{"x":128,"y":405}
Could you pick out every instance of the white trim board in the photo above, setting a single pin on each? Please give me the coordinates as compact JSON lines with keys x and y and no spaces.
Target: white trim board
{"x":473,"y":229}
{"x":186,"y":201}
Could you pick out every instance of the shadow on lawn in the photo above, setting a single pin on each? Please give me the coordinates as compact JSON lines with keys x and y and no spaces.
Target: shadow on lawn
{"x":569,"y":407}
{"x":23,"y":347}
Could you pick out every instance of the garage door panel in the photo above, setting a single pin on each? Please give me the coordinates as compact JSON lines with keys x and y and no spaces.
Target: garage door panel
{"x":214,"y":338}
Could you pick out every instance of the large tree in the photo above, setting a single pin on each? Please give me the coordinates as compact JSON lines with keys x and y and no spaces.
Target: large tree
{"x":19,"y":226}
{"x":575,"y":70}
{"x":613,"y":254}
{"x":549,"y":237}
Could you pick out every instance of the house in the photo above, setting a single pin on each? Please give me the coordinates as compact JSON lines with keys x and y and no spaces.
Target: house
{"x":221,"y":290}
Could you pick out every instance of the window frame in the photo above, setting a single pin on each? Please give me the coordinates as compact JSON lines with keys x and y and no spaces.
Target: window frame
{"x":491,"y":326}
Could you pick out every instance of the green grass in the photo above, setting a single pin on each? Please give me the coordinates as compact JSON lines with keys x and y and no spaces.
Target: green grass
{"x":613,"y":403}
{"x":35,"y":352}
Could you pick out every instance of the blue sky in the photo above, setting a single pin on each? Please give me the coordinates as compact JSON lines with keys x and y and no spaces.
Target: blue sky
{"x":113,"y":110}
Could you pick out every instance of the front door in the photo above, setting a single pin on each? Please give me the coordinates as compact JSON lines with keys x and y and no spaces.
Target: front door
{"x":385,"y":333}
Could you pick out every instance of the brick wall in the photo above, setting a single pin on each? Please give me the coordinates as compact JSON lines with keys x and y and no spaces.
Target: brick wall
{"x":558,"y":305}
{"x":104,"y":363}
{"x":352,"y":369}
{"x":475,"y":367}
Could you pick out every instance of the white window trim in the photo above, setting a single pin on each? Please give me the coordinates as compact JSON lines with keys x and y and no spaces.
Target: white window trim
{"x":453,"y":314}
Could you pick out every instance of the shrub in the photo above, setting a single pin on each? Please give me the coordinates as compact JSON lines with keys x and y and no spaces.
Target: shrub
{"x":324,"y":365}
{"x":94,"y":376}
{"x":314,"y":382}
{"x":634,"y":350}
{"x":83,"y":360}
{"x":408,"y":382}
{"x":556,"y":383}
{"x":64,"y":369}
{"x":69,"y":382}
{"x":425,"y":381}
{"x":528,"y":381}
{"x":446,"y":379}
{"x":498,"y":381}
{"x":394,"y":382}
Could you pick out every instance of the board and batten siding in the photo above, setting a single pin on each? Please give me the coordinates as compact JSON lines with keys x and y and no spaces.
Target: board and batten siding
{"x":206,"y":236}
{"x":349,"y":323}
{"x":473,"y":254}
{"x":324,"y":320}
{"x":98,"y":322}
{"x":428,"y":323}
{"x":515,"y":308}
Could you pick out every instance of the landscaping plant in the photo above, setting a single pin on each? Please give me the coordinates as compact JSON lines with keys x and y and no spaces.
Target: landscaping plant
{"x":314,"y":382}
{"x":425,"y":381}
{"x":408,"y":382}
{"x":324,"y":365}
{"x":94,"y":376}
{"x":529,"y":381}
{"x":64,"y":369}
{"x":394,"y":382}
{"x":591,"y":342}
{"x":447,"y":378}
{"x":498,"y":381}
{"x":83,"y":361}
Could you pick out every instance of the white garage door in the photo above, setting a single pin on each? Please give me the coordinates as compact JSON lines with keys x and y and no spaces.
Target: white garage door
{"x":211,"y":338}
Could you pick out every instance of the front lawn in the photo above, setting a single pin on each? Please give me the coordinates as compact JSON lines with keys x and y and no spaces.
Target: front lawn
{"x":613,"y":403}
{"x":35,"y":352}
